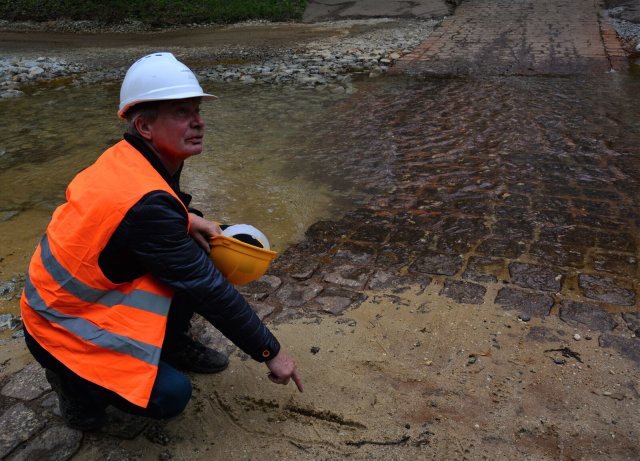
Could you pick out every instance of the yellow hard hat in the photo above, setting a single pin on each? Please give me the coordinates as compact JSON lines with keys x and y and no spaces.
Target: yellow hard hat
{"x":240,"y":262}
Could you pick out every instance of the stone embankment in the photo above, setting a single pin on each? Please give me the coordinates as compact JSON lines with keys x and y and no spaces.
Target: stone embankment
{"x":324,"y":64}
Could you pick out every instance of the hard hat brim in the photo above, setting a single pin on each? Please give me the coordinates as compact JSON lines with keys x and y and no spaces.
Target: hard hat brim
{"x":239,"y":262}
{"x":205,"y":96}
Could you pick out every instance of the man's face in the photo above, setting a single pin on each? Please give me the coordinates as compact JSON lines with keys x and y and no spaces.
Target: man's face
{"x":177,"y":132}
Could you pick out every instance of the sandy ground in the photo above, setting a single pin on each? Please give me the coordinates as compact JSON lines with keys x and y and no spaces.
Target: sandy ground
{"x":410,"y":376}
{"x":406,"y":375}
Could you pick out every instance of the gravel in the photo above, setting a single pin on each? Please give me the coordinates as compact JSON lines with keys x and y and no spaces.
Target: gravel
{"x":329,"y":63}
{"x":322,"y":64}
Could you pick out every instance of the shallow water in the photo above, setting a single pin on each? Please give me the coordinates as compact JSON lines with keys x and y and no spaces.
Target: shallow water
{"x":249,"y":172}
{"x":541,"y":151}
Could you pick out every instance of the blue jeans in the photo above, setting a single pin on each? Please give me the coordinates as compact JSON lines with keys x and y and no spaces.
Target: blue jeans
{"x":170,"y":394}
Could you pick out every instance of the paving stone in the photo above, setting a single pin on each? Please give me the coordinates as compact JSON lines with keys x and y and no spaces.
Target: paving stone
{"x":617,"y":241}
{"x":297,"y":268}
{"x":297,"y":294}
{"x":333,"y":304}
{"x":618,"y":264}
{"x":463,"y":292}
{"x":499,"y":246}
{"x":628,"y":347}
{"x":57,"y":443}
{"x":349,"y":276}
{"x":516,"y":230}
{"x":328,"y":231}
{"x":383,"y":280}
{"x":606,"y":290}
{"x":483,"y":269}
{"x":587,"y":315}
{"x":18,"y":424}
{"x":335,"y":300}
{"x":265,"y":284}
{"x":28,"y":384}
{"x":533,"y":304}
{"x":406,"y":235}
{"x":350,"y":252}
{"x":394,"y":256}
{"x":633,"y":322}
{"x":371,"y":233}
{"x":459,"y":234}
{"x":558,"y":254}
{"x":545,"y":334}
{"x":574,"y":235}
{"x":438,"y":263}
{"x":536,"y":277}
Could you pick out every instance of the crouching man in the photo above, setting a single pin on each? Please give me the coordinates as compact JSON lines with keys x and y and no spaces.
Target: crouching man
{"x":123,"y":266}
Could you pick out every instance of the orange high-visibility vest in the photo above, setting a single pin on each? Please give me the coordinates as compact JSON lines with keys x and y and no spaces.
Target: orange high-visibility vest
{"x":110,"y":334}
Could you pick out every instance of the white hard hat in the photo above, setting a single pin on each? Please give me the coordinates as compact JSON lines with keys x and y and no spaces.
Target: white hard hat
{"x":158,"y":77}
{"x":246,"y":233}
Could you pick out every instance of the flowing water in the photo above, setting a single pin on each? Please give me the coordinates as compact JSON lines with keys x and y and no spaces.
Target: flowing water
{"x":282,"y":159}
{"x":252,"y":169}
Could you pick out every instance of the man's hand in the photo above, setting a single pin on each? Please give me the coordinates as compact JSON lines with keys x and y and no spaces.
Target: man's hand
{"x":202,"y":230}
{"x":282,"y":368}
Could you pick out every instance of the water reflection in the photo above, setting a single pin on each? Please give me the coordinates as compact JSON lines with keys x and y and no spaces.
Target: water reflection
{"x":250,"y":170}
{"x":540,"y":151}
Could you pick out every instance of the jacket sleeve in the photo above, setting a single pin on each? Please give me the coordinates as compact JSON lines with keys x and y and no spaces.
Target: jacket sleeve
{"x":155,"y":230}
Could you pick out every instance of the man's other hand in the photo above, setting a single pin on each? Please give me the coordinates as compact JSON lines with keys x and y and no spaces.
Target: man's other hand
{"x":202,"y":230}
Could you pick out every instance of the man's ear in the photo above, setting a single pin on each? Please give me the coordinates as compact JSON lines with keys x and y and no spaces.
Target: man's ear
{"x":143,"y":127}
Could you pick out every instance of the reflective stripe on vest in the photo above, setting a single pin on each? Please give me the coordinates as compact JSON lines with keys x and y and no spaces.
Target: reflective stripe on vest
{"x":89,"y":332}
{"x":108,"y":333}
{"x":139,"y":299}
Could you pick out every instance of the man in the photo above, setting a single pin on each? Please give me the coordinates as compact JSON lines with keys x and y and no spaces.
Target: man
{"x":123,"y":266}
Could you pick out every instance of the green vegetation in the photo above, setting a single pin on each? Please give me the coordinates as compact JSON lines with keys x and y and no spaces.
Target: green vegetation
{"x":153,"y":12}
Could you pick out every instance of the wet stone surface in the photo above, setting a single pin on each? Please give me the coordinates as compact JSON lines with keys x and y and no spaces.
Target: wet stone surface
{"x":606,"y":289}
{"x":629,"y":347}
{"x":464,"y":292}
{"x":438,"y":263}
{"x":534,"y":304}
{"x":587,"y":314}
{"x":535,"y":277}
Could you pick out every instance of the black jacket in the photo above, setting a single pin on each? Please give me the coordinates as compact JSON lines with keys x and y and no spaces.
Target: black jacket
{"x":152,"y":238}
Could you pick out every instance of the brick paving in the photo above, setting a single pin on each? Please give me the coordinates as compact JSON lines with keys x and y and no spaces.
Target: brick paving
{"x":518,"y":37}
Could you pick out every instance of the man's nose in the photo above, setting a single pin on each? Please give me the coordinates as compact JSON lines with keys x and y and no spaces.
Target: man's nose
{"x":197,"y":121}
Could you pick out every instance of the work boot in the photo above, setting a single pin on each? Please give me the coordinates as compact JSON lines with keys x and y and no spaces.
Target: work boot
{"x":76,"y":413}
{"x":188,"y":354}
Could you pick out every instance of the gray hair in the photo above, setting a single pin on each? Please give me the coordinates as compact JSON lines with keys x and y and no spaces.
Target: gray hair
{"x":147,"y":110}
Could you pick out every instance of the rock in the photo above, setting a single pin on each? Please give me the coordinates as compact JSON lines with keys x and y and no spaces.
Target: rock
{"x":56,"y":443}
{"x":463,"y":292}
{"x":534,"y":304}
{"x":438,"y":263}
{"x":28,"y":384}
{"x":334,"y":304}
{"x":535,"y":277}
{"x":606,"y":290}
{"x":295,"y":295}
{"x":349,"y":276}
{"x":586,"y":314}
{"x":18,"y":424}
{"x":629,"y":347}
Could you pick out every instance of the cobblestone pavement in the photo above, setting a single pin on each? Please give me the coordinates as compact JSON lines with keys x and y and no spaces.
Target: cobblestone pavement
{"x":503,"y":37}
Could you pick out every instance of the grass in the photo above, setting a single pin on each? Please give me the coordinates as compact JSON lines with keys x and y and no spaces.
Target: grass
{"x":153,"y":12}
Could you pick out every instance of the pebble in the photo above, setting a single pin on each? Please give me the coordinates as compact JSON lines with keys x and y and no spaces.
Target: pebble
{"x":577,"y":337}
{"x":322,"y":64}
